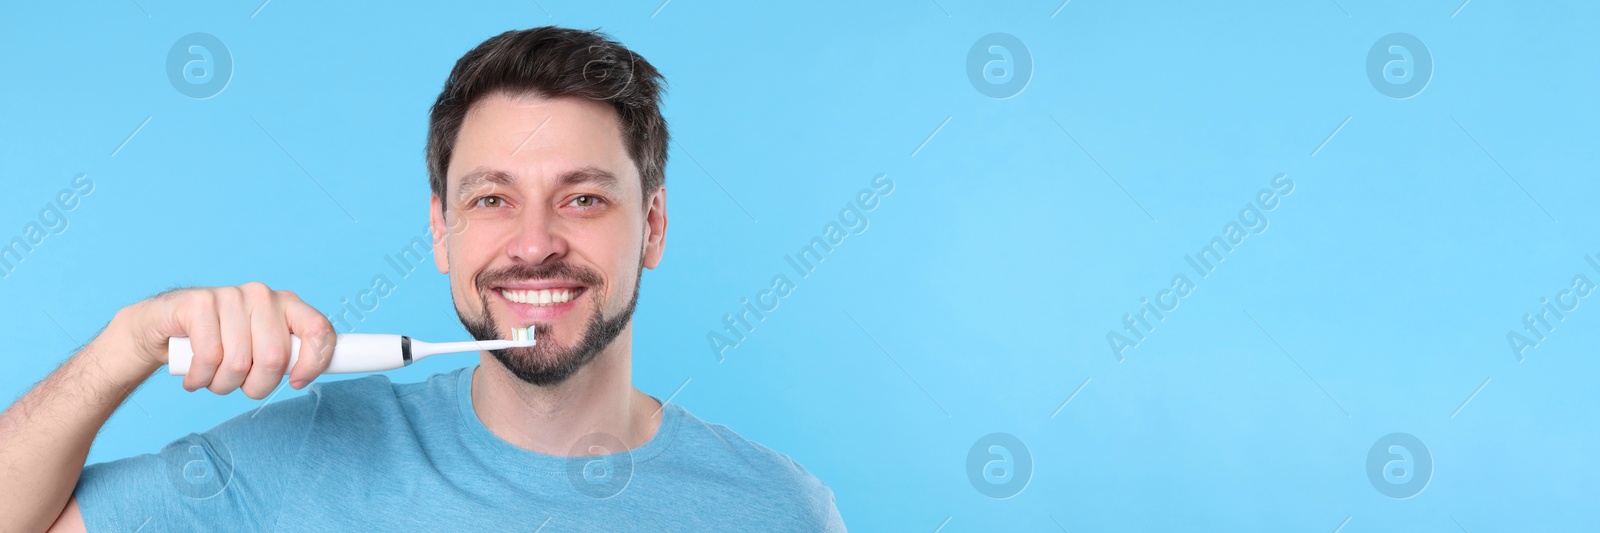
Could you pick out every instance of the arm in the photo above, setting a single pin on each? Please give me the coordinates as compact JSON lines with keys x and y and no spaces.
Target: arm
{"x":45,"y":436}
{"x":241,"y":341}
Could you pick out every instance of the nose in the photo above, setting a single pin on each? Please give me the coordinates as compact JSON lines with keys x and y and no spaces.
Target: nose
{"x":538,"y":239}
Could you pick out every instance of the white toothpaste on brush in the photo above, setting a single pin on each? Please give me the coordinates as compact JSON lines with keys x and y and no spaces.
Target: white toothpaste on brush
{"x":365,"y":352}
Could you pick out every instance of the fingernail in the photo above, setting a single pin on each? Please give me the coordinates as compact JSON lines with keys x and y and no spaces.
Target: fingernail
{"x":297,"y":384}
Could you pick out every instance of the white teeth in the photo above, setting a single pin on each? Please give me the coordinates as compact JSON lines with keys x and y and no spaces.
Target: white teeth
{"x":539,"y":297}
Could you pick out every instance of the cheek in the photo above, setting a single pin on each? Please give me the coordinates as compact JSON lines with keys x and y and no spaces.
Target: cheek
{"x":617,"y":250}
{"x":470,"y":252}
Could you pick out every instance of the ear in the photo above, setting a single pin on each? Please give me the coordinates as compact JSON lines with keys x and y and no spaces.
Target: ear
{"x":655,"y":226}
{"x":441,"y":235}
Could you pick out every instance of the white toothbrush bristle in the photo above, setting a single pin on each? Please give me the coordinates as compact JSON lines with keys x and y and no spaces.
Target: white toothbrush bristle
{"x":519,"y":334}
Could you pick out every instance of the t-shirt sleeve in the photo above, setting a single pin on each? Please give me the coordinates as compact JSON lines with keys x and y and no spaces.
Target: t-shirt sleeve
{"x":229,"y":478}
{"x":832,"y":522}
{"x":818,"y":507}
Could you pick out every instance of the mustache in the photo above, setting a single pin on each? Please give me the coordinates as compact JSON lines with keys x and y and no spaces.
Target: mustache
{"x":561,"y":270}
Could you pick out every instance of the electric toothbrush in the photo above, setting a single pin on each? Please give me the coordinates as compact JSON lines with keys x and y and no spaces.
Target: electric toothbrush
{"x":364,"y":352}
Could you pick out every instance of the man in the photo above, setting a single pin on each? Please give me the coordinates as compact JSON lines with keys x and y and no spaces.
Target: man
{"x":546,"y":152}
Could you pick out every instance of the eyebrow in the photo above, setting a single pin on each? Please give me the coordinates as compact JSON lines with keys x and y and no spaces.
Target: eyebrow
{"x":477,"y":179}
{"x":591,"y":175}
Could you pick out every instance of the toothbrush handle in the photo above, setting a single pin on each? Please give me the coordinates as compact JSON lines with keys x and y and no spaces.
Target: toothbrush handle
{"x":352,"y":352}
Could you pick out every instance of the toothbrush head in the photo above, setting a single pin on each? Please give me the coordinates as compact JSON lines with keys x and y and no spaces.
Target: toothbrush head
{"x":521,"y":334}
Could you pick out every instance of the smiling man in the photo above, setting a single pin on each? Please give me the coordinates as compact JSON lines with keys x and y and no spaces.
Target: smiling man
{"x":546,"y":153}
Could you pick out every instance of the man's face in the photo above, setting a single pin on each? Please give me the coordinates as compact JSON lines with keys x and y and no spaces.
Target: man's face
{"x":545,"y":226}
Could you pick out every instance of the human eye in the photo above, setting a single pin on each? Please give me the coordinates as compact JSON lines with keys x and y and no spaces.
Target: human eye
{"x":490,"y":201}
{"x":586,"y":201}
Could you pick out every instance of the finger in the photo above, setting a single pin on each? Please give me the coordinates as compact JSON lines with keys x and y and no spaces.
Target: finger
{"x":235,"y":324}
{"x":197,"y":315}
{"x":269,"y":341}
{"x":317,"y":339}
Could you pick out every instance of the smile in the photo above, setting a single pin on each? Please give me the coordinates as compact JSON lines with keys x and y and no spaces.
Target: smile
{"x":541,"y":297}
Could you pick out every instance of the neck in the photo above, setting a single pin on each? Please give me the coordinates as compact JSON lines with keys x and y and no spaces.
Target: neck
{"x":551,"y":419}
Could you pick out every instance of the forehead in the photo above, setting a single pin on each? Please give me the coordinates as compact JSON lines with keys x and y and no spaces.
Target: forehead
{"x":540,"y":139}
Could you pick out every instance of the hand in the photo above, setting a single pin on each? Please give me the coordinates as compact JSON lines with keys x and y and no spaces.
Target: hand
{"x":240,"y":336}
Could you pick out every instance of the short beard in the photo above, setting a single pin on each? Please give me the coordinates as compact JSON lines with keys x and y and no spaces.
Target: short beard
{"x":546,"y":363}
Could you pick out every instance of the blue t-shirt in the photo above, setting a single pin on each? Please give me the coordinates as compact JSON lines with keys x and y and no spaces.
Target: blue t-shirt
{"x":371,"y":455}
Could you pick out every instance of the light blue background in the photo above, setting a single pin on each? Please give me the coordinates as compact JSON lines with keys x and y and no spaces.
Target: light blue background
{"x":990,"y":276}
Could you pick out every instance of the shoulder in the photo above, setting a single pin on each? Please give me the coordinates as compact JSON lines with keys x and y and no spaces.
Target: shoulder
{"x":377,"y":389}
{"x":757,"y":469}
{"x":708,"y":436}
{"x":359,"y":388}
{"x":360,"y":404}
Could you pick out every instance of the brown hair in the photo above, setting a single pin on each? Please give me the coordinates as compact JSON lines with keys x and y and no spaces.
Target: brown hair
{"x":553,"y":62}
